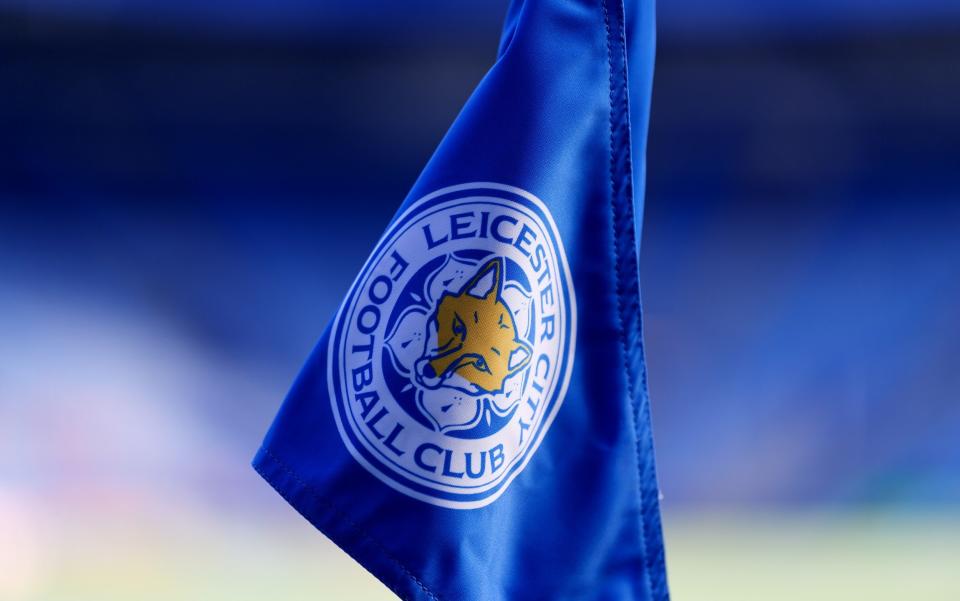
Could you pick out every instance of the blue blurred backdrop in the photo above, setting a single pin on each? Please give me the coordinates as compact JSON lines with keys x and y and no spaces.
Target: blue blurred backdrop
{"x":187,"y":189}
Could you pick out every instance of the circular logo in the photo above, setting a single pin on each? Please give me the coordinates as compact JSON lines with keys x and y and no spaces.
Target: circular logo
{"x":451,"y":354}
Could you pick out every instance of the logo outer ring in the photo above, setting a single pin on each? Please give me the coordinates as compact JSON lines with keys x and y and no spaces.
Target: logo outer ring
{"x":561,"y":389}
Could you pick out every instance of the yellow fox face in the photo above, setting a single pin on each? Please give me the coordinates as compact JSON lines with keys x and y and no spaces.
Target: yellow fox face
{"x":477,"y":337}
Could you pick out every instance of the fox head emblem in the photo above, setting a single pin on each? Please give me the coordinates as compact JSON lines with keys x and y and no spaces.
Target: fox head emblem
{"x":477,"y":343}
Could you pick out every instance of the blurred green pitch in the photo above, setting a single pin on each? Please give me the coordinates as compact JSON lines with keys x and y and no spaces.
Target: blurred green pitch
{"x":188,"y":555}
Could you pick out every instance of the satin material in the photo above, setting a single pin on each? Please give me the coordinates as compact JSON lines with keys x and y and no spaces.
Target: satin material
{"x":553,"y":116}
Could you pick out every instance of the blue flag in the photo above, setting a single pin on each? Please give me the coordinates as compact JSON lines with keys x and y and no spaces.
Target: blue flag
{"x":474,"y":422}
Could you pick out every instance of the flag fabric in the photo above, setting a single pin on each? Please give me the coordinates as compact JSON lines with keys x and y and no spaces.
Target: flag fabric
{"x":474,"y":422}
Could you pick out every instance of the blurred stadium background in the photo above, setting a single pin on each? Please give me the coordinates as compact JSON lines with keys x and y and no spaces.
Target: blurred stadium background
{"x":187,"y":189}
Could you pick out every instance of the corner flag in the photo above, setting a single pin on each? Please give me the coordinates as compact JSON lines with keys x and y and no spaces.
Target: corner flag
{"x":474,"y":422}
